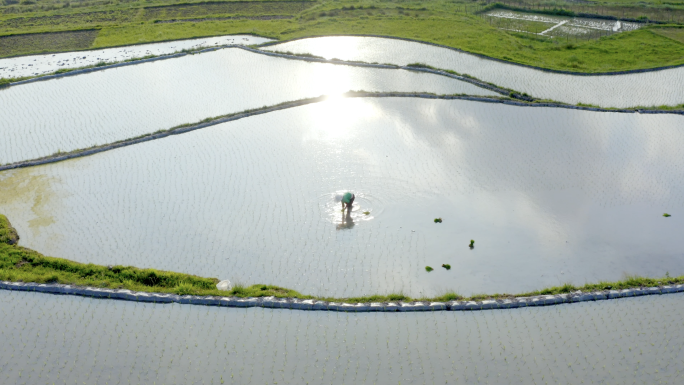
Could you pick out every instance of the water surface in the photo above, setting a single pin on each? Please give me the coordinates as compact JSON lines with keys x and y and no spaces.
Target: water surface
{"x":66,"y":339}
{"x":33,"y":65}
{"x":42,"y":118}
{"x":665,"y":87}
{"x":549,"y":196}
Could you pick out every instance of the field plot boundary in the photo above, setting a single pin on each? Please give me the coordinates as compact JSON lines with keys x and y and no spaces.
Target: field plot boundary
{"x":80,"y":71}
{"x":123,"y":45}
{"x":610,"y":73}
{"x":58,"y":157}
{"x":312,"y":304}
{"x":507,"y":92}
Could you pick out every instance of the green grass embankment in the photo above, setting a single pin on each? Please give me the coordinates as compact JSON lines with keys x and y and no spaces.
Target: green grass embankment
{"x":448,"y":23}
{"x":19,"y":264}
{"x":638,"y":49}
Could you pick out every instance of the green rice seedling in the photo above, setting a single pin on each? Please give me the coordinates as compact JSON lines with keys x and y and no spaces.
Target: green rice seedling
{"x":448,"y":296}
{"x":446,"y":266}
{"x":472,"y":244}
{"x":238,"y":289}
{"x":438,"y":220}
{"x":366,"y":212}
{"x":184,"y":289}
{"x":396,"y":297}
{"x":428,"y":269}
{"x":666,"y":215}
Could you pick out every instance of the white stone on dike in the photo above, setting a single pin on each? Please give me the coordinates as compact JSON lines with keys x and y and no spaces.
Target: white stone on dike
{"x":224,"y":285}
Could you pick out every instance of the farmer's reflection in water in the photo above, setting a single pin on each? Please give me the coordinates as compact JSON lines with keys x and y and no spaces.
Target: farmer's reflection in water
{"x":347,"y":221}
{"x":347,"y":201}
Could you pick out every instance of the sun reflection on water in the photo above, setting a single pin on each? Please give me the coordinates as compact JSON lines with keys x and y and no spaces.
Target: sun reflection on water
{"x":332,"y":120}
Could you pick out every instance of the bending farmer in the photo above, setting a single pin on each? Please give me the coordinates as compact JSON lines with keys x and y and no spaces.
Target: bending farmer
{"x":348,"y":199}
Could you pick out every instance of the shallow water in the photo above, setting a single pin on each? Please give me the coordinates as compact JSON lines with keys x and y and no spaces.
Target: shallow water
{"x":39,"y":119}
{"x":581,"y":25}
{"x":65,"y":339}
{"x":664,"y":87}
{"x":549,"y":196}
{"x":34,"y":65}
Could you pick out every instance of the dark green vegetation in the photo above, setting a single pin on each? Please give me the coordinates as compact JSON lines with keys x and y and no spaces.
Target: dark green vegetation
{"x":646,"y":11}
{"x":438,"y":220}
{"x":20,"y":264}
{"x":666,"y":215}
{"x":674,"y":33}
{"x":14,"y":45}
{"x":454,"y":23}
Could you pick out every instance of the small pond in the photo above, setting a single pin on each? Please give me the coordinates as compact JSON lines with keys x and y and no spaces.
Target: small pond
{"x":562,"y":27}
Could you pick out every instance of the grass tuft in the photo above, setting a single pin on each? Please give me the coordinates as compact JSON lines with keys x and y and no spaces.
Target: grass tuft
{"x":8,"y":234}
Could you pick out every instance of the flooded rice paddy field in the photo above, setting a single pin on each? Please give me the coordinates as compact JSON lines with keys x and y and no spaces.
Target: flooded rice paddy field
{"x":549,"y":195}
{"x":35,"y":65}
{"x":664,"y":87}
{"x":63,"y":339}
{"x":557,"y":26}
{"x":42,"y":118}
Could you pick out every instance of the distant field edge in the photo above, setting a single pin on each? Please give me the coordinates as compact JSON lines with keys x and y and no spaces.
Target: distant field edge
{"x":119,"y":45}
{"x":23,"y":269}
{"x":608,"y":73}
{"x":276,"y":42}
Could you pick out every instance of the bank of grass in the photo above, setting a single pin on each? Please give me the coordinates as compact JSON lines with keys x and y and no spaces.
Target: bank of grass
{"x":19,"y":264}
{"x":638,"y":49}
{"x":440,"y":21}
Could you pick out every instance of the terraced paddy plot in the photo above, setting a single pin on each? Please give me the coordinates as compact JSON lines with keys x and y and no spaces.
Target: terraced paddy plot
{"x":68,"y":339}
{"x":549,"y":195}
{"x":557,"y":26}
{"x":35,"y":65}
{"x":114,"y":104}
{"x":183,"y":11}
{"x":665,"y":87}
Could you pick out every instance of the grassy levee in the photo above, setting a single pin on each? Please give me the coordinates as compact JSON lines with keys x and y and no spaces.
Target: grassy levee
{"x":449,"y":23}
{"x":19,"y":264}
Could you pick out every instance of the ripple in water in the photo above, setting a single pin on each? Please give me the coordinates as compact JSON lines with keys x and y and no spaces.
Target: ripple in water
{"x":331,"y":209}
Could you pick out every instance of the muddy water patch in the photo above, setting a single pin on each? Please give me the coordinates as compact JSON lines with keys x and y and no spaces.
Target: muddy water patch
{"x":32,"y":194}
